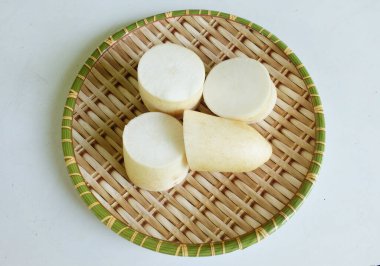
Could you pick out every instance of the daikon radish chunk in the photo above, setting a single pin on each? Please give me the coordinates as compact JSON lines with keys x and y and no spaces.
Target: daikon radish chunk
{"x":219,"y":144}
{"x":170,"y":79}
{"x":154,"y":153}
{"x":239,"y":88}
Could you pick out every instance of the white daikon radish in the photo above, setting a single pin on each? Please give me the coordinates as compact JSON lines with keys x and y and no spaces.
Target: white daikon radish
{"x":154,"y":153}
{"x":239,"y":88}
{"x":219,"y":144}
{"x":170,"y":79}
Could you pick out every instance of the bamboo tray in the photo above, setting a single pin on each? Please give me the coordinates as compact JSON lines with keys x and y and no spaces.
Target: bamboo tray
{"x":209,"y":213}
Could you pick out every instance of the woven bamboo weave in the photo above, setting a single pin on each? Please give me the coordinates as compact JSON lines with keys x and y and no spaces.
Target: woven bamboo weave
{"x":210,"y":213}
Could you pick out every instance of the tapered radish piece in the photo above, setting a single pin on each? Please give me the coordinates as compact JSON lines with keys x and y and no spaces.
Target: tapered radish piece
{"x":170,"y":79}
{"x":241,"y":89}
{"x":218,"y":144}
{"x":154,"y":153}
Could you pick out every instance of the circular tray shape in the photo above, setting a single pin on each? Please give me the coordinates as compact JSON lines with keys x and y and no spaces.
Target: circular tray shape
{"x":210,"y":213}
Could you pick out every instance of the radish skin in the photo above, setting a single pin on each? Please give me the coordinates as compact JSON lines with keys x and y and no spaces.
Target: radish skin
{"x":218,"y":144}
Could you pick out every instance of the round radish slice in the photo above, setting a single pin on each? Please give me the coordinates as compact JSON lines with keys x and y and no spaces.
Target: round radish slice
{"x":154,"y":153}
{"x":240,"y":89}
{"x":170,"y":79}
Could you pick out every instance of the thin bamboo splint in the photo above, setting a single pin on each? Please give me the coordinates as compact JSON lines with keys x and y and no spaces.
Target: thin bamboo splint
{"x":210,"y":213}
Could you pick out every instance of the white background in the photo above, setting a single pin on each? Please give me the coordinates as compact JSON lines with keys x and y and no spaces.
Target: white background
{"x":42,"y":46}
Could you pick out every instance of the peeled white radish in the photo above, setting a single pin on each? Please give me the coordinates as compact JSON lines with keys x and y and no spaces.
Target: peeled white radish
{"x":154,"y":153}
{"x":218,"y":144}
{"x":170,"y":79}
{"x":241,"y":89}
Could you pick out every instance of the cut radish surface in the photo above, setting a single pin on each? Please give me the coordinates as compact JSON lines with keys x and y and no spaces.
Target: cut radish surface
{"x":241,"y":89}
{"x":219,"y":144}
{"x":170,"y":79}
{"x":154,"y":153}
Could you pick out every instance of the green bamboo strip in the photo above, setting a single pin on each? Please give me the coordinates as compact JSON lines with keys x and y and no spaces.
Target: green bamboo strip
{"x":84,"y":193}
{"x":80,"y":184}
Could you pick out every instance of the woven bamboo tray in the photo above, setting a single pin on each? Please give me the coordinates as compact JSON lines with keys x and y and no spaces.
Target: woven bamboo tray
{"x":209,"y":213}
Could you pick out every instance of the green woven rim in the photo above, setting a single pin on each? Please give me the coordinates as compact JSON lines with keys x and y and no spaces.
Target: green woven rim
{"x":180,"y":249}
